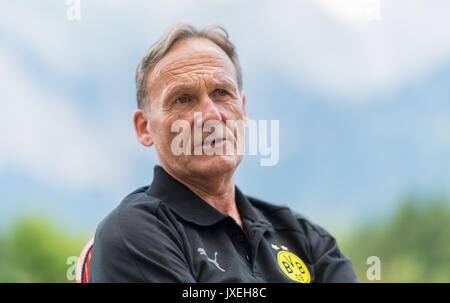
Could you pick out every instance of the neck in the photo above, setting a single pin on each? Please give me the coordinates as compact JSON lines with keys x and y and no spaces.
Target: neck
{"x":218,"y":191}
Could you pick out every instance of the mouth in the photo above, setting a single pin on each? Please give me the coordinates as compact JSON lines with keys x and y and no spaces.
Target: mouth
{"x":215,"y":142}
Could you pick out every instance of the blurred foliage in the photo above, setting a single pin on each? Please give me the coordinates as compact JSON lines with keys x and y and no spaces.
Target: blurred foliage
{"x":413,"y":245}
{"x":35,"y":250}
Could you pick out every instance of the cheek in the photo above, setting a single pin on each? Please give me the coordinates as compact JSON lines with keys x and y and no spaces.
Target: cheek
{"x":233,"y":111}
{"x":162,"y":130}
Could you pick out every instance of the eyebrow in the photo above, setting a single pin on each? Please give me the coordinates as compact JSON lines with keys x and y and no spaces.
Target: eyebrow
{"x":227,"y":82}
{"x":174,"y":89}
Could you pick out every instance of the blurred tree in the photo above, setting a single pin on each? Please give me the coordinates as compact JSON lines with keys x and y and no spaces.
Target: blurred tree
{"x":413,"y":245}
{"x":34,"y":250}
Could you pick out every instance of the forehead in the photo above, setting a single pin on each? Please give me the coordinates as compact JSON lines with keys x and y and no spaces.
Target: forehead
{"x":190,"y":59}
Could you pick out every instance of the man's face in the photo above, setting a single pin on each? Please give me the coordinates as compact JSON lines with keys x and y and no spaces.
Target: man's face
{"x":195,"y":76}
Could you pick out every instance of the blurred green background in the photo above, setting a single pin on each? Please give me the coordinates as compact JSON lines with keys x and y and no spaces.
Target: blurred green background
{"x":35,"y":249}
{"x":412,"y":246}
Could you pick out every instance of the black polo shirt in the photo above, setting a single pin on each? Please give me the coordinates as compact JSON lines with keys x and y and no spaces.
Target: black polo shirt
{"x":165,"y":233}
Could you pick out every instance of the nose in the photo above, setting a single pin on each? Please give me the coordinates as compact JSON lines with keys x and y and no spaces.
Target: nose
{"x":209,"y":111}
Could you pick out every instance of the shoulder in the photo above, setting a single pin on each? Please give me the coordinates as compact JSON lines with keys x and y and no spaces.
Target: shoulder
{"x":133,"y":208}
{"x":125,"y":239}
{"x":137,"y":218}
{"x":284,"y":218}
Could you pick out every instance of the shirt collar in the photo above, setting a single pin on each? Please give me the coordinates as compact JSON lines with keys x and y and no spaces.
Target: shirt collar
{"x":192,"y":208}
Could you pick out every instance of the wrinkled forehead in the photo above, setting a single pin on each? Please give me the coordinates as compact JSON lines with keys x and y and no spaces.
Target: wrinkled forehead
{"x":191,"y":60}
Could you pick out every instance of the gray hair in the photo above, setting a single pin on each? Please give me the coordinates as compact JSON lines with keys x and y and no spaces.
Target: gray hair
{"x":174,"y":34}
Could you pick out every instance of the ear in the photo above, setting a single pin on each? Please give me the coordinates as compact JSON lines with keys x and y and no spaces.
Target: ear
{"x":142,"y":127}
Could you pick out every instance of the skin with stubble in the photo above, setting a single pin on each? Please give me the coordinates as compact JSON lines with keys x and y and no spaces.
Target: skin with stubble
{"x":195,"y":75}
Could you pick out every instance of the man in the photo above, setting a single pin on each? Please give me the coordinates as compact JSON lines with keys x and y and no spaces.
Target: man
{"x":192,"y":224}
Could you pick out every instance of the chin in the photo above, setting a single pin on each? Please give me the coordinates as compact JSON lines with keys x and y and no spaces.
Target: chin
{"x":215,"y":165}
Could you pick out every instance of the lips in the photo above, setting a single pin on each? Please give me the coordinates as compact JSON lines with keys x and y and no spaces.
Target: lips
{"x":215,"y":141}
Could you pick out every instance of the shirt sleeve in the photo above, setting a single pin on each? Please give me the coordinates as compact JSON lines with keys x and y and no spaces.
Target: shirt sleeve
{"x":135,"y":245}
{"x":330,"y":264}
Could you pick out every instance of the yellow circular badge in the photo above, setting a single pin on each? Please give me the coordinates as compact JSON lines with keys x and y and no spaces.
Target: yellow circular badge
{"x":293,"y":267}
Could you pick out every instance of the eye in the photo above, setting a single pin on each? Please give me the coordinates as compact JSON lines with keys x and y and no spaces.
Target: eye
{"x":182,"y":100}
{"x":222,"y":92}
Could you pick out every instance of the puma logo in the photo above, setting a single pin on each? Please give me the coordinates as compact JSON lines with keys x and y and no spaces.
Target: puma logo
{"x":201,"y":251}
